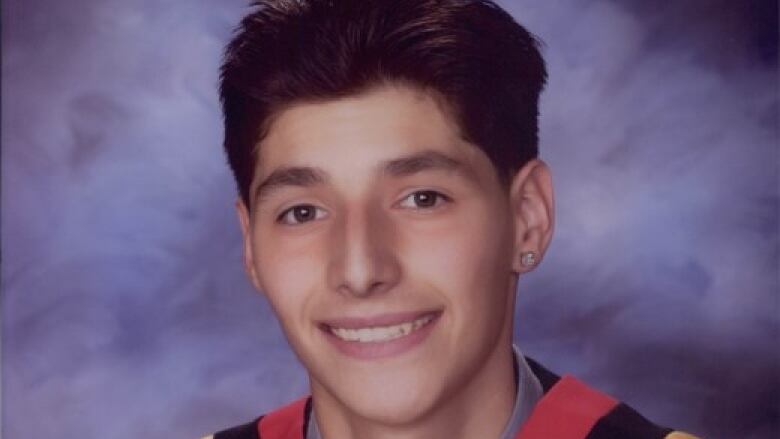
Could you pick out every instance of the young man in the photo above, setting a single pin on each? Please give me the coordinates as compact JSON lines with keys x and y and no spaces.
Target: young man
{"x":390,"y":197}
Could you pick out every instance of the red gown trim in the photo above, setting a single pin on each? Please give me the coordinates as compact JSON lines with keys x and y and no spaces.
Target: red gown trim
{"x":569,"y":410}
{"x":284,"y":423}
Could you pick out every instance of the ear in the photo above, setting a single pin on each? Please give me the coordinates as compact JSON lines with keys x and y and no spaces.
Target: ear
{"x":246,"y":231}
{"x":531,"y":199}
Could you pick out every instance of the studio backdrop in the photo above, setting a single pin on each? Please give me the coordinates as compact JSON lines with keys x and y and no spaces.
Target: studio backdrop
{"x":125,"y":309}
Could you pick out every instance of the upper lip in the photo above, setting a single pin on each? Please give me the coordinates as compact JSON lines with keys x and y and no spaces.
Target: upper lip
{"x":387,"y":319}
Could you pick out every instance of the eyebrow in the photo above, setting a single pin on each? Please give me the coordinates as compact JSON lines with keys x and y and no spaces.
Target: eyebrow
{"x":302,"y":176}
{"x":306,"y":176}
{"x":423,"y":161}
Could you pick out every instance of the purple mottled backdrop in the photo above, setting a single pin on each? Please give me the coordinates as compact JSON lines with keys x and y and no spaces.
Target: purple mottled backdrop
{"x":125,"y":311}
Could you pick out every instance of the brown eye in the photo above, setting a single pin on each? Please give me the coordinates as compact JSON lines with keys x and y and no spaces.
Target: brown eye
{"x":424,"y":200}
{"x":300,"y":214}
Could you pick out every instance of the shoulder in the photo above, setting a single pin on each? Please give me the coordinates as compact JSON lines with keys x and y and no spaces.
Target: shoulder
{"x":588,"y":413}
{"x":282,"y":422}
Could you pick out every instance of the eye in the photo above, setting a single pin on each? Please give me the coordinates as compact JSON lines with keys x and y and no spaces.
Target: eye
{"x":300,"y":214}
{"x":426,"y":199}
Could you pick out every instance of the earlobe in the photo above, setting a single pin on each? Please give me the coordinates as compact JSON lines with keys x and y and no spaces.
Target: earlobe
{"x":246,"y":233}
{"x":532,"y":202}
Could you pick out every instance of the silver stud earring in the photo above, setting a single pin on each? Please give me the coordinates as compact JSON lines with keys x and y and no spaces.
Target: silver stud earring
{"x":528,"y":259}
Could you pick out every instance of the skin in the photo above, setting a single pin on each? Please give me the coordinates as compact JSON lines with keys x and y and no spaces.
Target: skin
{"x":371,"y":235}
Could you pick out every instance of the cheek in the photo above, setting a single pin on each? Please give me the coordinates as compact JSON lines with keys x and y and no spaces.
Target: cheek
{"x":288,"y":271}
{"x":467,"y":260}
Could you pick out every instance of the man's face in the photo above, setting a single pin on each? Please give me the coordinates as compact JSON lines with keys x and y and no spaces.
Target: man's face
{"x":384,"y":243}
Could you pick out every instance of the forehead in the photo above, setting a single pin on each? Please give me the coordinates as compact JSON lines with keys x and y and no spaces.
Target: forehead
{"x":355,"y":133}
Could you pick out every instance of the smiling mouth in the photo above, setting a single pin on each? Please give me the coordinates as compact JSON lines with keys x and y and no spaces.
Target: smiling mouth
{"x":378,"y":334}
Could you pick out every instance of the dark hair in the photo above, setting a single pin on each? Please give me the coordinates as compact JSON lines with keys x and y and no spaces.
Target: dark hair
{"x":485,"y":66}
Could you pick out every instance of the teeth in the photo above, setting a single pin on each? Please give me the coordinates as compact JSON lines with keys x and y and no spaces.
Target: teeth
{"x":380,"y":333}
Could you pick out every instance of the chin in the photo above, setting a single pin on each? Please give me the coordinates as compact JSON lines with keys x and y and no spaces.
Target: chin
{"x":396,"y":408}
{"x":390,"y":398}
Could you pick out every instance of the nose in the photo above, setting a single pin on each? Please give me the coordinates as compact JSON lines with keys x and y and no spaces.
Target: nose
{"x":363,"y":260}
